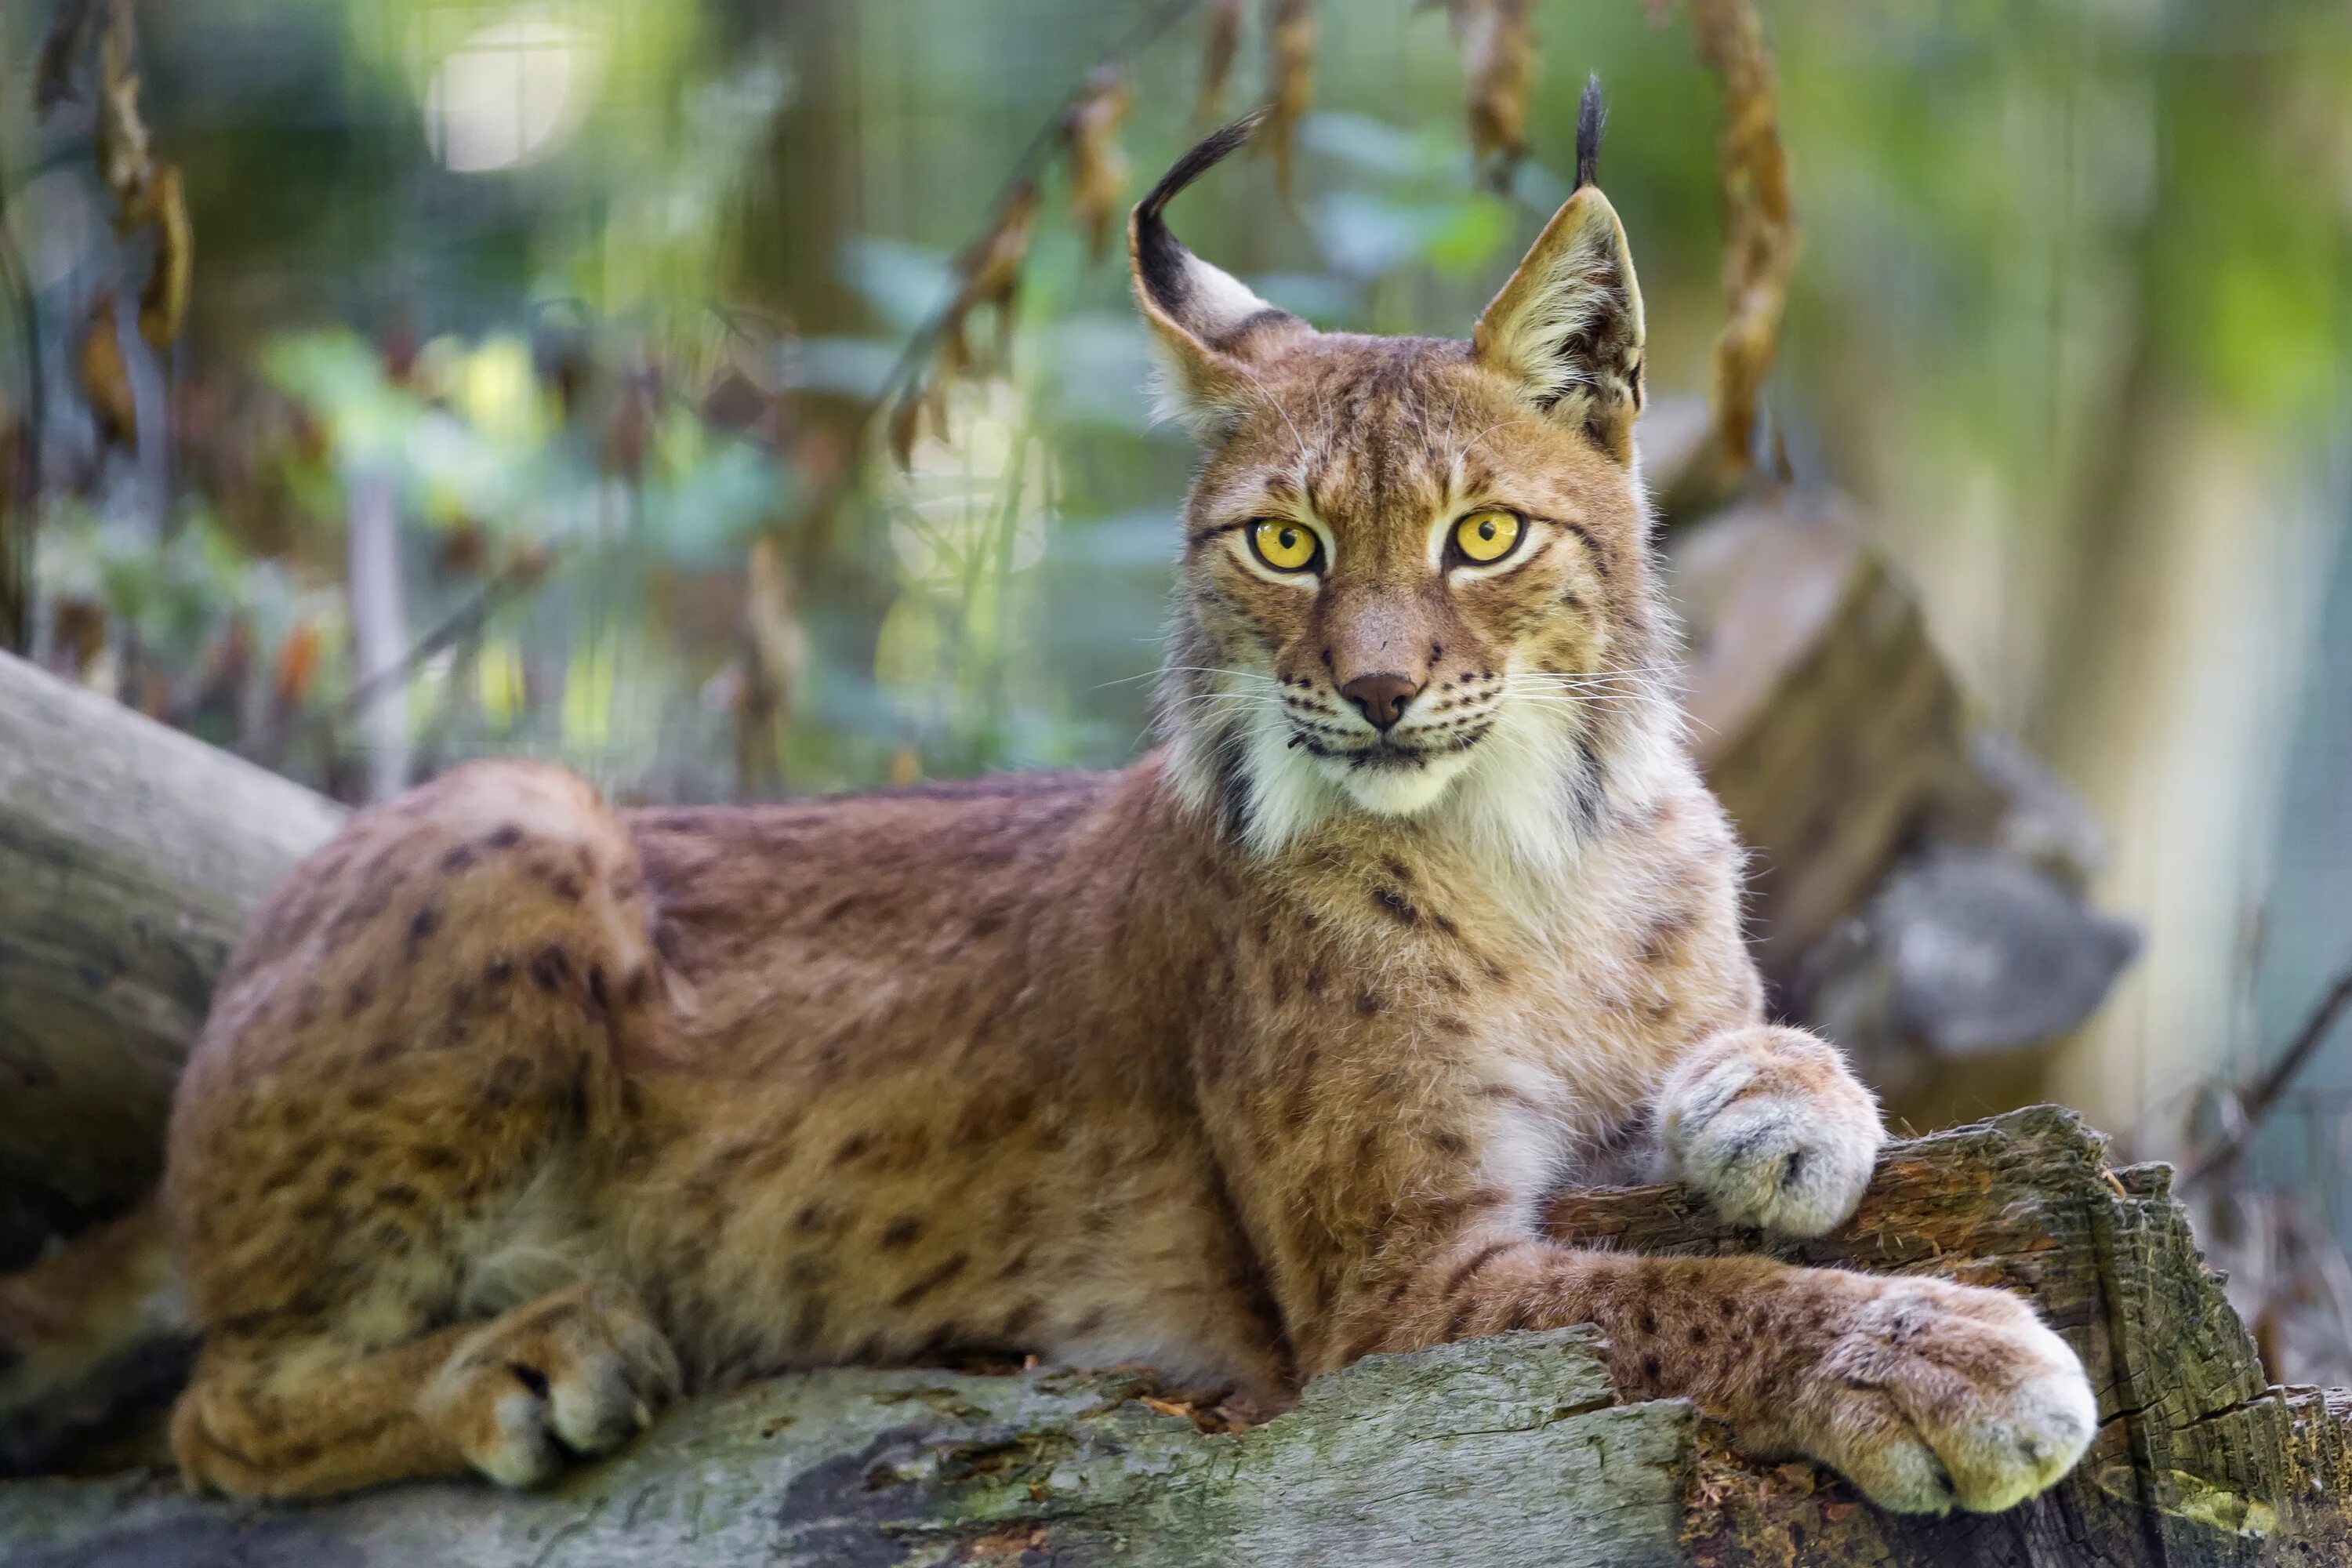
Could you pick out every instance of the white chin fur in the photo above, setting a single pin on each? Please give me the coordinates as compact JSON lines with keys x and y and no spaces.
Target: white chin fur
{"x":1396,"y":790}
{"x":1507,"y":799}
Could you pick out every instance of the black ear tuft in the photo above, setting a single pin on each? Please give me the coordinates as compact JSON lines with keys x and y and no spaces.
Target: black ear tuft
{"x":1160,"y":257}
{"x":1591,"y":117}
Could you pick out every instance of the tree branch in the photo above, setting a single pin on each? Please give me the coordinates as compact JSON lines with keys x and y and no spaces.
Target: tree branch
{"x":2257,"y":1101}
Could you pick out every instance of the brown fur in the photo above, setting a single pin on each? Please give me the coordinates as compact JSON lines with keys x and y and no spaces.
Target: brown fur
{"x":517,"y":1112}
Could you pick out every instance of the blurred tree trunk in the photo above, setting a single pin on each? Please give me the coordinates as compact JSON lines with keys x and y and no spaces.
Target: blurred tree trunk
{"x":379,"y":631}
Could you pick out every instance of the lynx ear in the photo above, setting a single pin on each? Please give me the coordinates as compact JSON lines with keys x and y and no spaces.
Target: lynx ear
{"x":1209,"y":327}
{"x":1567,"y":325}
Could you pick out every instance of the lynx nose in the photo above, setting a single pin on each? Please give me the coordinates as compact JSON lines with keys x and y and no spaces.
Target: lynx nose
{"x":1380,"y":698}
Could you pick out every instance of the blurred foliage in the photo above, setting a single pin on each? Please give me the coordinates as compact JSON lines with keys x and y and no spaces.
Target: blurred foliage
{"x":605,"y":293}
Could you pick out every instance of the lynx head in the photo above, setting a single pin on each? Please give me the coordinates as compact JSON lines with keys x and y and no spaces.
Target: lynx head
{"x":1416,"y":584}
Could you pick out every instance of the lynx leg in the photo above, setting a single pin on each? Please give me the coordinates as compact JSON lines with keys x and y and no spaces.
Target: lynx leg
{"x":392,"y":1125}
{"x":304,"y":1418}
{"x":1773,"y":1127}
{"x":1925,"y":1395}
{"x":578,"y":1371}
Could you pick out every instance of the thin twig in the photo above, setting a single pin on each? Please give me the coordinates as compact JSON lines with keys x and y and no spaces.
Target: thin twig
{"x":2259,"y":1100}
{"x":509,"y":581}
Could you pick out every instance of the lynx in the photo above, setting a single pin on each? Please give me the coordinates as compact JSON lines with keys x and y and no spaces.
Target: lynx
{"x":518,"y":1115}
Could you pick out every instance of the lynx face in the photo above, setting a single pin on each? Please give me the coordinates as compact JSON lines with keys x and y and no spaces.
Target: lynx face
{"x":1415,"y":578}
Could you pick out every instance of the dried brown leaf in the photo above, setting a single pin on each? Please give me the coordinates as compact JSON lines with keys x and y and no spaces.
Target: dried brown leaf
{"x":105,"y":377}
{"x":992,"y":267}
{"x":991,"y":278}
{"x":1218,"y":51}
{"x":935,"y":407}
{"x":147,"y":194}
{"x":1498,"y":65}
{"x":954,"y":355}
{"x":164,"y":298}
{"x":1290,"y":68}
{"x":1760,"y":225}
{"x":906,"y":415}
{"x":1098,"y":166}
{"x":295,"y":666}
{"x":125,"y":160}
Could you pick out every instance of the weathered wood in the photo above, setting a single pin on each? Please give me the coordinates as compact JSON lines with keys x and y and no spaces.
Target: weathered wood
{"x":2199,"y":1463}
{"x":131,"y":855}
{"x":1502,"y":1451}
{"x":1509,"y":1450}
{"x":1822,"y":715}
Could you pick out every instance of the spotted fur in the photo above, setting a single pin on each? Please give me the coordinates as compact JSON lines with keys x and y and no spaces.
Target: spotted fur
{"x":516,"y":1113}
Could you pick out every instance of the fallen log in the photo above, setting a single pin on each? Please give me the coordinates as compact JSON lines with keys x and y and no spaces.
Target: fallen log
{"x":131,"y":855}
{"x":1501,"y":1451}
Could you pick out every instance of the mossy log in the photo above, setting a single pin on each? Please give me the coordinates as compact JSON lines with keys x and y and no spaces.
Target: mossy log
{"x":1501,"y":1451}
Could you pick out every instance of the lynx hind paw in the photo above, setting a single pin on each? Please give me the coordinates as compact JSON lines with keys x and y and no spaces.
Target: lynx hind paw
{"x":1775,"y":1132}
{"x":580,"y":1373}
{"x":1941,"y":1397}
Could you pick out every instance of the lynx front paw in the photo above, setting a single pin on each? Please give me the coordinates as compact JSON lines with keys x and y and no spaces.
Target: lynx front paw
{"x":578,"y":1372}
{"x":1938,"y":1395}
{"x":1771,"y":1126}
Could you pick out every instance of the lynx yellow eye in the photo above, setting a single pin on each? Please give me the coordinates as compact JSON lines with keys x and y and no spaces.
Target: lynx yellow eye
{"x":1285,"y":546}
{"x":1489,"y":535}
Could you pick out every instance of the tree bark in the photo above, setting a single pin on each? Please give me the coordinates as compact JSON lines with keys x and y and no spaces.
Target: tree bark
{"x":1502,"y":1451}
